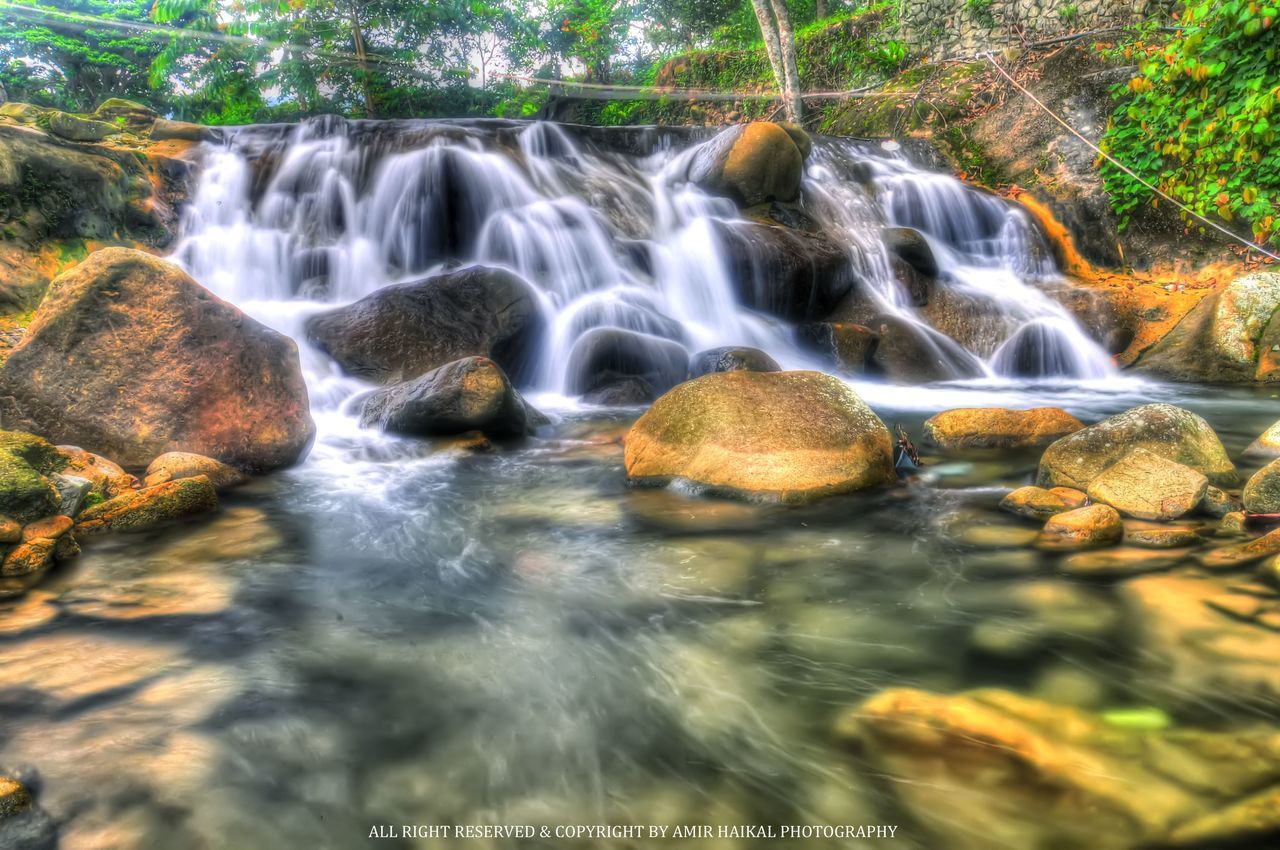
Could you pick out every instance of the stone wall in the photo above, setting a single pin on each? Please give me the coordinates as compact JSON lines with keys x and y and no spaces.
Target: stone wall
{"x":950,"y":28}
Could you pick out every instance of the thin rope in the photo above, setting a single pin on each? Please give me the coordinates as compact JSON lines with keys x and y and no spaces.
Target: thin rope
{"x":1126,"y":169}
{"x":698,"y":94}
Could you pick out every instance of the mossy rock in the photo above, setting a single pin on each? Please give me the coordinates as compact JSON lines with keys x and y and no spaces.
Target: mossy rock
{"x":125,"y":114}
{"x":23,"y":113}
{"x":139,"y":510}
{"x":79,"y":129}
{"x":25,"y":493}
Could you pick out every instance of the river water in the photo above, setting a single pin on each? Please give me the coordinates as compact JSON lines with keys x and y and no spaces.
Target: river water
{"x":402,"y":632}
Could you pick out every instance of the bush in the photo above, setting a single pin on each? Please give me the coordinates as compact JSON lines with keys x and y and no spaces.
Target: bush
{"x":1199,"y":118}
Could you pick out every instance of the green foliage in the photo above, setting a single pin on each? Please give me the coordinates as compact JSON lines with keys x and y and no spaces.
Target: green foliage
{"x":1199,"y":119}
{"x":982,"y":11}
{"x":1069,"y":14}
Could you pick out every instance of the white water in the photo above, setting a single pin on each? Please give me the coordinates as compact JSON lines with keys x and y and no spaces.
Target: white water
{"x":346,"y":213}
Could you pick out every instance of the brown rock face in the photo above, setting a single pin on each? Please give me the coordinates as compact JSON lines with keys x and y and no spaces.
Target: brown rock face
{"x":171,"y":466}
{"x":787,"y":435}
{"x":131,"y":358}
{"x":999,"y":428}
{"x":750,"y":163}
{"x":1145,"y":485}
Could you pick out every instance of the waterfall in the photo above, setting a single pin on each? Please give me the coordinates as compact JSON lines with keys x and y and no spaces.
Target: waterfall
{"x":287,"y":222}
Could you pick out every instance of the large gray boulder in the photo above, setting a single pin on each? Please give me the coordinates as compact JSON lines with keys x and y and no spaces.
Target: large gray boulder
{"x":471,"y":394}
{"x":403,"y":331}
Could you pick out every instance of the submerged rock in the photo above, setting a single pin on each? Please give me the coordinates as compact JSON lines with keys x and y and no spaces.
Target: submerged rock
{"x":1034,"y":503}
{"x":991,"y":768}
{"x":403,"y":331}
{"x":472,"y":394}
{"x":1267,"y":445}
{"x":1239,"y":554}
{"x":139,"y":510}
{"x":845,"y":346}
{"x":788,"y":435}
{"x":731,"y":359}
{"x":1082,"y":528}
{"x":751,"y":163}
{"x":1160,"y":536}
{"x":999,"y":428}
{"x":132,"y":358}
{"x":1120,"y":561}
{"x":1145,"y":485}
{"x":1262,"y":491}
{"x":1162,"y":429}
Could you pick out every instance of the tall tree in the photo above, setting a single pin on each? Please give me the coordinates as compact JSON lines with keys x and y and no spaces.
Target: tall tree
{"x":780,"y":45}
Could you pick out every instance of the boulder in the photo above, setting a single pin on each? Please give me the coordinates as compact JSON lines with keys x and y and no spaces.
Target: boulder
{"x":26,"y":491}
{"x":23,"y":113}
{"x":625,"y":392}
{"x":72,"y":491}
{"x":125,"y":113}
{"x":107,"y":478}
{"x":1082,"y":528}
{"x":139,"y":510}
{"x":1162,"y":429}
{"x":10,"y":530}
{"x":1145,"y":485}
{"x":79,"y":129}
{"x":28,"y":557}
{"x":131,"y":357}
{"x":999,"y":428}
{"x":400,"y":332}
{"x":911,"y":246}
{"x":49,"y":528}
{"x":1034,"y":503}
{"x":1218,"y":341}
{"x":907,"y":352}
{"x":606,"y":356}
{"x":1241,"y":554}
{"x":786,"y":272}
{"x":1218,"y":502}
{"x":162,"y":129}
{"x":471,"y":394}
{"x":994,"y":769}
{"x":731,"y":359}
{"x":1262,"y":490}
{"x":1267,"y":445}
{"x":791,"y":436}
{"x":750,"y":163}
{"x":1073,"y":498}
{"x":172,"y":466}
{"x":844,"y":346}
{"x":14,"y":798}
{"x":1161,"y":536}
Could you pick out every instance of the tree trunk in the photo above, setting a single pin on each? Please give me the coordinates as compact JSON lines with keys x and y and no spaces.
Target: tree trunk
{"x":362,"y":59}
{"x":794,"y":104}
{"x":772,"y":45}
{"x":820,"y":9}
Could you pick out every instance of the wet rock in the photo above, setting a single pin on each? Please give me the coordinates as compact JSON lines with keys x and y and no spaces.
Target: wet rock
{"x":731,"y":359}
{"x":1262,"y":491}
{"x":1082,"y":528}
{"x":1240,"y":554}
{"x":911,"y":246}
{"x":25,"y":491}
{"x":172,"y":466}
{"x":50,"y":528}
{"x":139,"y":510}
{"x":607,"y":356}
{"x":1145,"y":485}
{"x":10,"y":530}
{"x":1161,"y":536}
{"x":1073,"y":498}
{"x":127,"y":114}
{"x":999,"y":428}
{"x":1023,"y":618}
{"x":625,"y":392}
{"x":108,"y":478}
{"x":750,"y":163}
{"x":1162,"y":429}
{"x":1217,"y":342}
{"x":27,"y":558}
{"x":788,"y":435}
{"x":997,"y":536}
{"x":975,"y":770}
{"x":79,"y":129}
{"x":1194,"y":656}
{"x":403,"y":331}
{"x":1254,"y":817}
{"x":789,"y":273}
{"x":1117,"y":562}
{"x":1034,"y":503}
{"x":1267,"y":445}
{"x":1067,"y":684}
{"x":130,"y":356}
{"x":910,"y":353}
{"x":845,"y":346}
{"x":1232,"y":524}
{"x":23,"y":825}
{"x":1218,"y":502}
{"x":14,"y":798}
{"x":65,"y":548}
{"x":471,"y":394}
{"x":72,"y":491}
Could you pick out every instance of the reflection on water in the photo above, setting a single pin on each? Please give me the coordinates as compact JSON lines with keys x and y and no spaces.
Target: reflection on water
{"x":391,"y":636}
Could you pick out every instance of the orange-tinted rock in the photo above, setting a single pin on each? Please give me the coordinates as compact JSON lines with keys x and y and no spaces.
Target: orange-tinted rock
{"x":130,"y":357}
{"x":1083,"y":528}
{"x":999,"y":428}
{"x":171,"y":466}
{"x":1073,"y":498}
{"x":28,"y":557}
{"x":10,"y":530}
{"x":1034,"y":503}
{"x":139,"y":510}
{"x":50,"y":528}
{"x":751,"y":163}
{"x":108,"y":478}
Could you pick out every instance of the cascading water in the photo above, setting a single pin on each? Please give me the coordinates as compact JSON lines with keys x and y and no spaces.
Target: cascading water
{"x":287,"y":225}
